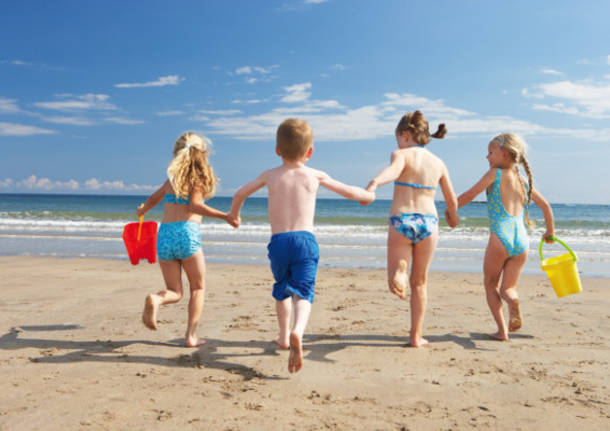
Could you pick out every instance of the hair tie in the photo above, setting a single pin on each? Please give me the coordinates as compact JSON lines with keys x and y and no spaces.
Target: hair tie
{"x":187,"y":145}
{"x":502,"y":141}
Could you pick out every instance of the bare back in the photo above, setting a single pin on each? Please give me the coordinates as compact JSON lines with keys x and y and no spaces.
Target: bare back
{"x":512,"y":191}
{"x":422,"y":167}
{"x":292,"y":197}
{"x":177,"y":212}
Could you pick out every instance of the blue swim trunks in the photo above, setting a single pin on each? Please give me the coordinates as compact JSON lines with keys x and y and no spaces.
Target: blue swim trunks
{"x":294,"y":263}
{"x":178,"y":240}
{"x":414,"y":226}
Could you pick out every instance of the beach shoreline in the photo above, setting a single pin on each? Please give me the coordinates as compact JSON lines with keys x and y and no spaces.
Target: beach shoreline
{"x":75,"y":355}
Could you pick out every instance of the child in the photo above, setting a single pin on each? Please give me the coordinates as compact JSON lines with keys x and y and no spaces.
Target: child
{"x":293,"y":250}
{"x":506,"y":254}
{"x":413,"y":230}
{"x":191,"y":179}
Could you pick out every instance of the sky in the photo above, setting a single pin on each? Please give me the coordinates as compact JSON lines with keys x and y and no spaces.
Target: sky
{"x":93,"y":94}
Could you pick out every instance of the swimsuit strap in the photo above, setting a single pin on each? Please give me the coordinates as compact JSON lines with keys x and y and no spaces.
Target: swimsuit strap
{"x":173,"y":199}
{"x":415,"y":186}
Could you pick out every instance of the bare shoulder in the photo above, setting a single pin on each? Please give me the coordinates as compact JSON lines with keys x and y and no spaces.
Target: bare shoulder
{"x":316,"y":173}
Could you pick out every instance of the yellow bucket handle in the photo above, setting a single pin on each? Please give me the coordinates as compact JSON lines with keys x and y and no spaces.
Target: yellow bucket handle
{"x":140,"y":226}
{"x":554,"y":238}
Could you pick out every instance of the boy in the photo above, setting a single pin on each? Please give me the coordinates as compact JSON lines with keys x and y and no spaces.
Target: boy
{"x":293,"y":250}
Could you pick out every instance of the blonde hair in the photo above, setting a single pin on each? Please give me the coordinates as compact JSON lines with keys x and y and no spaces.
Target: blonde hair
{"x":190,"y":169}
{"x":293,"y":138}
{"x":416,"y":124}
{"x":517,"y":148}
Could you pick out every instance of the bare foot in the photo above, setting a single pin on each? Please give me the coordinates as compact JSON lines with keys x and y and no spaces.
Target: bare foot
{"x":498,"y":336}
{"x":515,"y":318}
{"x":399,"y":282}
{"x":149,"y":315}
{"x":418,"y":342}
{"x":295,"y":359}
{"x":194,"y":341}
{"x":281,"y":345}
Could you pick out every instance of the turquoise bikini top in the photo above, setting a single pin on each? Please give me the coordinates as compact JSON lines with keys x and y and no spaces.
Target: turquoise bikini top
{"x":415,"y":186}
{"x":173,"y":199}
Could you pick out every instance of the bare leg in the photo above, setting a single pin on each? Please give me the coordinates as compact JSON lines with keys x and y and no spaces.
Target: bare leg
{"x":194,"y":266}
{"x":400,"y":280}
{"x":423,"y":252}
{"x":302,"y":310}
{"x":283,"y":309}
{"x":508,"y":290}
{"x":495,"y":257}
{"x":400,"y":250}
{"x":171,"y":270}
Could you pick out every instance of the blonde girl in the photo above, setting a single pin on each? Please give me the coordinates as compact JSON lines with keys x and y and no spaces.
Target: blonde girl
{"x":191,"y":180}
{"x":508,"y":200}
{"x":413,"y":222}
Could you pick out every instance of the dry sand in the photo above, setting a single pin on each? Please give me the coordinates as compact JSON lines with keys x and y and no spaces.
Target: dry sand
{"x":74,"y":354}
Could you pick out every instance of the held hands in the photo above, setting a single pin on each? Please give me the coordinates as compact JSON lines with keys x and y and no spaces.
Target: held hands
{"x":452,"y":221}
{"x":369,"y":200}
{"x":232,"y":219}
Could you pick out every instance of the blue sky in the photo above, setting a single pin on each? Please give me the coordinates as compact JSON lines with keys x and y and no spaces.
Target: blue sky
{"x":93,"y":94}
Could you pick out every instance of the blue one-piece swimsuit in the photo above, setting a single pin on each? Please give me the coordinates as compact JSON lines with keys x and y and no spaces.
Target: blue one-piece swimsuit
{"x":178,"y":240}
{"x":509,"y":229}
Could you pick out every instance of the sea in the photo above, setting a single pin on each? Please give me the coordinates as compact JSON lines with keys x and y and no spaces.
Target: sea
{"x":349,"y":235}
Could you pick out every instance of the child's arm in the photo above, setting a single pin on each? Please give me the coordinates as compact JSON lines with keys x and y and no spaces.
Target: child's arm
{"x":547,"y":211}
{"x":350,"y":192}
{"x":243,"y":192}
{"x":153,"y":200}
{"x":451,"y":202}
{"x":482,"y":184}
{"x":391,"y":173}
{"x":196,"y":206}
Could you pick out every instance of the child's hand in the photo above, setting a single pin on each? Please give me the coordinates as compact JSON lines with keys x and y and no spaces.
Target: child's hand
{"x":548,"y":237}
{"x":372,"y":186}
{"x":451,"y":221}
{"x":140,"y":211}
{"x":371,"y":198}
{"x":233,"y":220}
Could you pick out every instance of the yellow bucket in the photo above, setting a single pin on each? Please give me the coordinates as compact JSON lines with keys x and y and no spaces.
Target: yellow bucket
{"x":562,"y":271}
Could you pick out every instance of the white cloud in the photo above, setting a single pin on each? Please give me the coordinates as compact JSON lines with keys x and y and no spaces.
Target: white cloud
{"x":83,"y":102}
{"x":74,"y":121}
{"x":297,"y":93}
{"x":12,"y":129}
{"x":20,"y":63}
{"x":608,"y":60}
{"x":332,"y":121}
{"x":247,"y":70}
{"x":169,"y":113}
{"x":586,"y":99}
{"x":220,"y":111}
{"x":550,"y":72}
{"x":315,"y":1}
{"x":35,"y":183}
{"x":124,"y":121}
{"x":338,"y":66}
{"x":161,"y":82}
{"x":248,"y":102}
{"x":8,"y":106}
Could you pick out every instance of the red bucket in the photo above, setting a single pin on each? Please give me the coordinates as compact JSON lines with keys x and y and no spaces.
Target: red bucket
{"x":141,"y":241}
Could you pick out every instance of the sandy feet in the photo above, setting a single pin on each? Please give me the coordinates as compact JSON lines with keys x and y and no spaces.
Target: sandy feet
{"x":515,"y":320}
{"x":149,"y":315}
{"x":295,"y":359}
{"x":418,"y":342}
{"x":194,"y":341}
{"x":499,"y":336}
{"x":280,"y":343}
{"x":399,"y":282}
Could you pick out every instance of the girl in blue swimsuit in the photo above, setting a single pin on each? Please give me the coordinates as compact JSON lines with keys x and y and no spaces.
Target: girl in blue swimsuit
{"x":413,"y":221}
{"x":508,"y":199}
{"x":191,"y":180}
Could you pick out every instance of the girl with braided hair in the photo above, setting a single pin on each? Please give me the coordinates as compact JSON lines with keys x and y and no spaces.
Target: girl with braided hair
{"x":508,"y":200}
{"x":190,"y":181}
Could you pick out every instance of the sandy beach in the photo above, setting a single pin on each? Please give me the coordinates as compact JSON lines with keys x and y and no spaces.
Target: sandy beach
{"x":75,"y":355}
